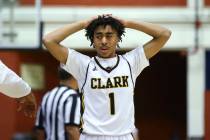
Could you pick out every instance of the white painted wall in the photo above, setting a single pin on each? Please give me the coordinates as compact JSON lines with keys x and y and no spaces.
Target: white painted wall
{"x":179,"y":20}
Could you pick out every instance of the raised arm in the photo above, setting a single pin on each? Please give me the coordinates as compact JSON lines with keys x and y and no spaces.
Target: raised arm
{"x":160,"y":36}
{"x":52,"y":40}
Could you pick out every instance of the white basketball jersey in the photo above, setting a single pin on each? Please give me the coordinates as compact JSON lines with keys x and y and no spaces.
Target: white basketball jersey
{"x":108,"y":97}
{"x":107,"y":93}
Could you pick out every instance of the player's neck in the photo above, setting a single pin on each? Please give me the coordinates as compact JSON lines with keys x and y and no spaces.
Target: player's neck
{"x":101,"y":57}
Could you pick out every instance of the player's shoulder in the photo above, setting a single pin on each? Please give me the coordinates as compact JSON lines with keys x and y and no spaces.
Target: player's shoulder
{"x":79,"y":55}
{"x":134,"y":52}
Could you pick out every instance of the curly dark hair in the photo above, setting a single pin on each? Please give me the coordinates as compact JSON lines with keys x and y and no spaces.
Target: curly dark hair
{"x":104,"y":21}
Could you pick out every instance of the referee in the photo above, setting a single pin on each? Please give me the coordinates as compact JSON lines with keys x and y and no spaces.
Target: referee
{"x":58,"y":116}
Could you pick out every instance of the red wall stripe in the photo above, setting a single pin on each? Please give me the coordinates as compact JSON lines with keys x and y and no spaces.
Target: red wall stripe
{"x":207,"y":2}
{"x":110,"y":2}
{"x":207,"y":115}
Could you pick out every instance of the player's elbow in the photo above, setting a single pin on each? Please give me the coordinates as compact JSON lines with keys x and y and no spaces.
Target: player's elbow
{"x":166,"y":34}
{"x":46,"y":40}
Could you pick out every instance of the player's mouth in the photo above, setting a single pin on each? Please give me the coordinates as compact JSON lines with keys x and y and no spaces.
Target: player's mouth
{"x":104,"y":49}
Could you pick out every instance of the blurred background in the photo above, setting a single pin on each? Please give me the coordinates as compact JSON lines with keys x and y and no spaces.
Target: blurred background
{"x":172,"y":96}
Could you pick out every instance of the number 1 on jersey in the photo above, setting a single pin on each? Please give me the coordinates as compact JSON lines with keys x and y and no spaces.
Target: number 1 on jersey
{"x":112,"y":105}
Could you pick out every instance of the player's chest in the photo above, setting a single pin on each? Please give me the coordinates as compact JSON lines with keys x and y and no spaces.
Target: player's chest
{"x":100,"y":79}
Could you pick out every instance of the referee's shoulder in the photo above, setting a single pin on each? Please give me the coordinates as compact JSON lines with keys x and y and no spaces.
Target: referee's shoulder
{"x":73,"y":92}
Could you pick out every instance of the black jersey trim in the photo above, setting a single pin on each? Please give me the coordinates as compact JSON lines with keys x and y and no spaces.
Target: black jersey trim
{"x":85,"y":78}
{"x":73,"y":108}
{"x":82,"y":97}
{"x":82,"y":109}
{"x":109,"y":69}
{"x":130,"y":70}
{"x":133,"y":136}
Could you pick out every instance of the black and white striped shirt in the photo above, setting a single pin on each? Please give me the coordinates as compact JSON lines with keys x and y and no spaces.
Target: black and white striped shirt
{"x":59,"y":107}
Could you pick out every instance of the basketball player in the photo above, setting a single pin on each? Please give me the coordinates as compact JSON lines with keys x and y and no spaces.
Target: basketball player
{"x":107,"y":80}
{"x":58,"y":117}
{"x":13,"y":86}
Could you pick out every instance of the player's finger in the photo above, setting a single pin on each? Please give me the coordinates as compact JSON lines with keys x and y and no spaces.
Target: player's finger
{"x":25,"y":113}
{"x":29,"y":115}
{"x":19,"y":108}
{"x":30,"y":112}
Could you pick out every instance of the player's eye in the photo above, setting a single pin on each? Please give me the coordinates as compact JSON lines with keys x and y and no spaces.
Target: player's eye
{"x":99,"y":36}
{"x":109,"y":36}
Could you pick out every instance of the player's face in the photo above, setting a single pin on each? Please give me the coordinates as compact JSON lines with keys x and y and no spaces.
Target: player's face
{"x":105,"y":40}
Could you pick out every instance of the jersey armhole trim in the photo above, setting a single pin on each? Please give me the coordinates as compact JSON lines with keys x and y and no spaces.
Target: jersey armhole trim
{"x":130,"y":70}
{"x":85,"y":78}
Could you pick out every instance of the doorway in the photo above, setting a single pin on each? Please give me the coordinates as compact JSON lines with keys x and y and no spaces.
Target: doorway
{"x":160,"y":98}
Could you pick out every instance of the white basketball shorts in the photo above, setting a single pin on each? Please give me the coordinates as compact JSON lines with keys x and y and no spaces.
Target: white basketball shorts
{"x":84,"y":136}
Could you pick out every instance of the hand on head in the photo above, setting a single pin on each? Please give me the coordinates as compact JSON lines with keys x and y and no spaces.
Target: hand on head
{"x":27,"y":105}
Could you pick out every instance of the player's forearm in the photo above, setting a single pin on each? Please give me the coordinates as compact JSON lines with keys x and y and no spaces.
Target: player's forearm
{"x":73,"y":132}
{"x":74,"y":136}
{"x":53,"y":39}
{"x":151,"y":29}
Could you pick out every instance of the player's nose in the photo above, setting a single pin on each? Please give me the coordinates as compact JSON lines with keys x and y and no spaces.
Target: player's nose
{"x":104,"y":40}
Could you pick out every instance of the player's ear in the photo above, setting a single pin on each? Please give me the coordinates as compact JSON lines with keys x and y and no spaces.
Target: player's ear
{"x":118,"y":46}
